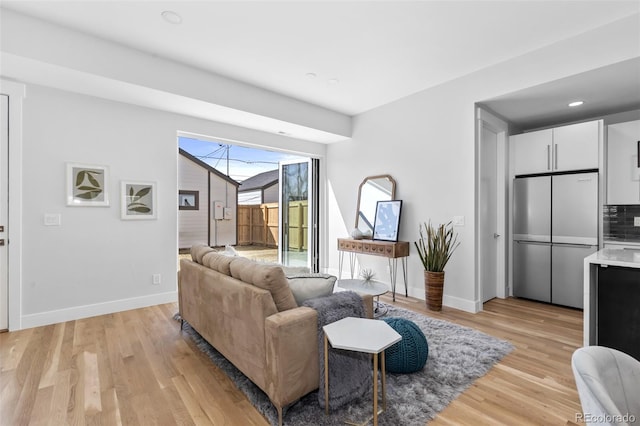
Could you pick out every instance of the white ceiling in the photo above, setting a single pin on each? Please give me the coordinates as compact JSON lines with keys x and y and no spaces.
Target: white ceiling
{"x":606,"y":90}
{"x":379,"y":51}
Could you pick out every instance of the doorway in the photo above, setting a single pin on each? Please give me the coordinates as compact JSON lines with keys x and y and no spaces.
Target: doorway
{"x":275,"y":213}
{"x":11,"y":95}
{"x":4,"y":211}
{"x":491,"y":207}
{"x":298,"y":222}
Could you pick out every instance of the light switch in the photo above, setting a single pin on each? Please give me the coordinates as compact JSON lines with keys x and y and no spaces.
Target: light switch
{"x":636,"y":221}
{"x":458,"y":221}
{"x":52,"y":219}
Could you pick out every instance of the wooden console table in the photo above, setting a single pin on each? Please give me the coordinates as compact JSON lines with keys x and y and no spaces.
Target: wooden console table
{"x":391,"y":250}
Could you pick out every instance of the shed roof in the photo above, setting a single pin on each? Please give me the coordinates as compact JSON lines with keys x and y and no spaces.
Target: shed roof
{"x":208,"y":167}
{"x":260,"y":181}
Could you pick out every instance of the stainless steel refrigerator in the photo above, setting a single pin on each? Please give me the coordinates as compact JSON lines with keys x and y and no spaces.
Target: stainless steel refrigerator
{"x":555,"y":227}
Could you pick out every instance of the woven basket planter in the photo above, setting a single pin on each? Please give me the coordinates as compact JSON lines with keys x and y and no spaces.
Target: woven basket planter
{"x":433,"y":287}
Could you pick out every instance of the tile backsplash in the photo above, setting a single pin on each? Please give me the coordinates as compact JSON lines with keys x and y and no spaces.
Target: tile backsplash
{"x":618,"y":223}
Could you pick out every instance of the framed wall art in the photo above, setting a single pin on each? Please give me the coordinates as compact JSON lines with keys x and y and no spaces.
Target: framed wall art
{"x":87,"y":185}
{"x":138,"y":200}
{"x":387,"y":220}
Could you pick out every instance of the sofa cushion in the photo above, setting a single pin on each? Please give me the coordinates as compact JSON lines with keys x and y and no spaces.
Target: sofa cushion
{"x":198,"y":251}
{"x":266,"y":277}
{"x":218,"y":261}
{"x":206,"y":258}
{"x":289,"y":271}
{"x":310,"y":286}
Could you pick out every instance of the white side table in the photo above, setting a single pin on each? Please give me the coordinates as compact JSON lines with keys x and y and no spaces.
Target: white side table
{"x":360,"y":335}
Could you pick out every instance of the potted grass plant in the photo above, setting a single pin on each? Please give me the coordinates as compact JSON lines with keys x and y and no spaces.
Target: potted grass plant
{"x":435,"y":247}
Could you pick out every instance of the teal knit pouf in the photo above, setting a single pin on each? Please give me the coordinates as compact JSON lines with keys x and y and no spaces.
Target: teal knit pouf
{"x":409,"y":354}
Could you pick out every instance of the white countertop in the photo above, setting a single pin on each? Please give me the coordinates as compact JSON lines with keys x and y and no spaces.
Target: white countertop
{"x":615,"y":257}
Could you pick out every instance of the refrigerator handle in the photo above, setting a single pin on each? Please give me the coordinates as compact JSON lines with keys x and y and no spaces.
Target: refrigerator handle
{"x":555,"y":156}
{"x":548,"y":157}
{"x":533,"y":243}
{"x":576,"y":245}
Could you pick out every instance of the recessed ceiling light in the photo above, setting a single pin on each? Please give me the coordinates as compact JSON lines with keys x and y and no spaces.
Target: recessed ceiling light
{"x":311,"y":75}
{"x":334,"y":81}
{"x":576,"y":103}
{"x":171,"y":17}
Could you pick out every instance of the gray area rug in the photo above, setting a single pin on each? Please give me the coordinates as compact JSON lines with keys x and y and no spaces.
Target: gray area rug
{"x":350,"y":372}
{"x":457,"y":357}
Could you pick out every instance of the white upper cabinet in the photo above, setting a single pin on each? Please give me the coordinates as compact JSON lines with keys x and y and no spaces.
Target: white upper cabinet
{"x":532,"y":152}
{"x":623,"y":173}
{"x":572,"y":147}
{"x":575,"y":147}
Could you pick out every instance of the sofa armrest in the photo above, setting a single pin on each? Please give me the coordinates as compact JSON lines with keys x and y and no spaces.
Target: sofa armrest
{"x":291,"y":339}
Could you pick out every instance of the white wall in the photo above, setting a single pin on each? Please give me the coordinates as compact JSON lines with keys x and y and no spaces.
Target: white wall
{"x":94,"y":258}
{"x":193,"y":224}
{"x":427,"y":143}
{"x":259,"y":196}
{"x":250,"y":197}
{"x":96,"y":263}
{"x":271,"y":194}
{"x":224,"y":232}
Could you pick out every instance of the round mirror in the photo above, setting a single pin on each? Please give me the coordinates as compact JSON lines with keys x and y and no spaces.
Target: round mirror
{"x":371,"y":190}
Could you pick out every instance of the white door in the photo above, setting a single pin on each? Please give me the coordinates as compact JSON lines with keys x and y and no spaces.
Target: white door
{"x":488,"y":214}
{"x":4,"y":210}
{"x":298,"y":223}
{"x":491,"y":207}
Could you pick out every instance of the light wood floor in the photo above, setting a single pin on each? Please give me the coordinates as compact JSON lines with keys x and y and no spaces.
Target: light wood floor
{"x":137,"y":368}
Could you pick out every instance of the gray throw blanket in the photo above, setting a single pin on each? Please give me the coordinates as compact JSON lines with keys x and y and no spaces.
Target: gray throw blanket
{"x":349,"y":371}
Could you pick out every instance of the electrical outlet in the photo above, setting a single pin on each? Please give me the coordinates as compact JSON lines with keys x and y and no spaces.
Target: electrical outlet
{"x":636,"y":221}
{"x":458,"y":221}
{"x":157,"y":278}
{"x":52,"y":219}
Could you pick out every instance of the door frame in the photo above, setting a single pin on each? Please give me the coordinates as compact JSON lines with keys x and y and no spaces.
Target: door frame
{"x":17,"y":93}
{"x":501,"y":128}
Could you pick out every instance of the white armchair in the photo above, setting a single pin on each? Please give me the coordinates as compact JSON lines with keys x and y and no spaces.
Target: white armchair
{"x":608,"y":383}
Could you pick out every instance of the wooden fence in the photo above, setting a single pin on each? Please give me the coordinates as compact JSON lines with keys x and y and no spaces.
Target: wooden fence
{"x":258,"y":225}
{"x":298,"y":227}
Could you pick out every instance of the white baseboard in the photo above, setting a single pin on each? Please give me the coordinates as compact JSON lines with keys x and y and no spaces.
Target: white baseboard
{"x":418,"y":293}
{"x":336,"y":272}
{"x":86,"y":311}
{"x":449,"y":301}
{"x":462,"y":304}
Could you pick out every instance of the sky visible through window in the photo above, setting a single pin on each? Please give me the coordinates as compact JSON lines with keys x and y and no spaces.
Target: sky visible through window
{"x":243,"y":162}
